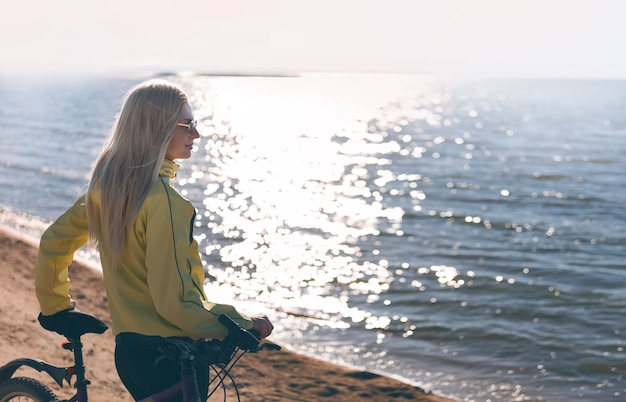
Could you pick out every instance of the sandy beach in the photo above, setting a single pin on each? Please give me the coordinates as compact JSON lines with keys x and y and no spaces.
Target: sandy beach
{"x":271,"y":376}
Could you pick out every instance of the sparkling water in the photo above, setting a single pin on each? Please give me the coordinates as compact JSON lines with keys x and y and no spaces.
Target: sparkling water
{"x":466,"y":236}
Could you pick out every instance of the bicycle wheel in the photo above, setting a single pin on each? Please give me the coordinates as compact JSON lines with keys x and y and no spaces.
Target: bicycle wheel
{"x":23,"y":389}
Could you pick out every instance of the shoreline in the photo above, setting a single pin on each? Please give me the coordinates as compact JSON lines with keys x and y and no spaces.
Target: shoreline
{"x":277,"y":376}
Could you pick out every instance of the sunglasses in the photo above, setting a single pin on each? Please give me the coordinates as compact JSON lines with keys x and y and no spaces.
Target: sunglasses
{"x":189,"y":126}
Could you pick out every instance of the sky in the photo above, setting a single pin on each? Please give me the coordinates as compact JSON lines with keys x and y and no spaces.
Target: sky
{"x":519,"y":38}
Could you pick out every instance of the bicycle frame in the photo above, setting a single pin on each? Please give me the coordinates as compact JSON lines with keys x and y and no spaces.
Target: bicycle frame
{"x":224,"y":357}
{"x":58,"y":374}
{"x":187,"y":387}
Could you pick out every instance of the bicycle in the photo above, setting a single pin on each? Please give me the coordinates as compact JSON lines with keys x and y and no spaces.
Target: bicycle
{"x":221,"y":356}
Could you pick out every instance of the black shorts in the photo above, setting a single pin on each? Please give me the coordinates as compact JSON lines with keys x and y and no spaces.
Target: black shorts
{"x":135,"y":361}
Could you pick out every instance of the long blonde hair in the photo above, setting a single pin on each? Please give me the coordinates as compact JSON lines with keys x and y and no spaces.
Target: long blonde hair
{"x":130,"y":162}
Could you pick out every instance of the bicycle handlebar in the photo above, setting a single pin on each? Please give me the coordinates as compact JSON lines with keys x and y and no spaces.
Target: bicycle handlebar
{"x":246,"y":339}
{"x":216,"y":351}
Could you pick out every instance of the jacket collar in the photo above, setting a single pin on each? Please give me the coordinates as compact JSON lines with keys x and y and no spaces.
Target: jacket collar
{"x":169,"y":169}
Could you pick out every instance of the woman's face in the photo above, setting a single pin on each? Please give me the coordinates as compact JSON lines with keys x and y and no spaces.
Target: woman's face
{"x":181,"y":144}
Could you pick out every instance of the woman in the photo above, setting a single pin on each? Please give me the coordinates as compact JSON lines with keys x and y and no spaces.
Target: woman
{"x":142,"y":226}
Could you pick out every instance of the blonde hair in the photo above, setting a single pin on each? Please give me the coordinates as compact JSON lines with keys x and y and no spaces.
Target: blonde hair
{"x":130,"y":163}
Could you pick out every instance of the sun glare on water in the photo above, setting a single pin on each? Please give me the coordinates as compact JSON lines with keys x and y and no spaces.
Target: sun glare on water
{"x":283,"y":197}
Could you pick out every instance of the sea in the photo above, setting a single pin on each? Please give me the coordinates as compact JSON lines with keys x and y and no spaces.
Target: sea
{"x":464,"y":235}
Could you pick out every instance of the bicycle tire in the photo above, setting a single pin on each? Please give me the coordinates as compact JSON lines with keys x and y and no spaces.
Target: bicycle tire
{"x":24,"y":389}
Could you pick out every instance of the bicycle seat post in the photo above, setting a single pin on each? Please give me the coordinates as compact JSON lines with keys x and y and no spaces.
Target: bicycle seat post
{"x":79,"y":369}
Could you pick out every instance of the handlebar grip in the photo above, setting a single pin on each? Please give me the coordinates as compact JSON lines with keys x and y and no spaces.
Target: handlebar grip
{"x":246,"y":339}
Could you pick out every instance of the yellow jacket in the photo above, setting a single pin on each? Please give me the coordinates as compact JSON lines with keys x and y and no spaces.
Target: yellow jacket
{"x":157,"y":288}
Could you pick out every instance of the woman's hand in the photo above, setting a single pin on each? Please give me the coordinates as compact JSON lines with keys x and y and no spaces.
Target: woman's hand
{"x":262,"y":325}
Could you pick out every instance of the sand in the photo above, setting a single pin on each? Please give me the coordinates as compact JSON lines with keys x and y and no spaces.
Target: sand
{"x":267,"y":376}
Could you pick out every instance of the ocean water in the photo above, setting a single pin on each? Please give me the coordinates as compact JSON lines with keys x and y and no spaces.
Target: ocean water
{"x":466,"y":236}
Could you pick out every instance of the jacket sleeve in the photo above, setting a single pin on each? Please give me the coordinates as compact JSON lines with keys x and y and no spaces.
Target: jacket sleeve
{"x":56,"y":253}
{"x":175,"y":273}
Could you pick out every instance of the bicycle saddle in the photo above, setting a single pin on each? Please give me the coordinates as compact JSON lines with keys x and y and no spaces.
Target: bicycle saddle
{"x":72,"y":323}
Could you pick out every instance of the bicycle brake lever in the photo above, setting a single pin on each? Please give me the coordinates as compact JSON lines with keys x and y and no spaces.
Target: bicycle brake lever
{"x":270,"y":345}
{"x":265,"y":344}
{"x":247,"y":340}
